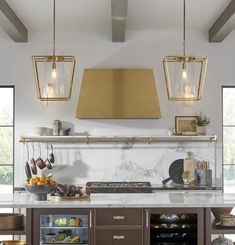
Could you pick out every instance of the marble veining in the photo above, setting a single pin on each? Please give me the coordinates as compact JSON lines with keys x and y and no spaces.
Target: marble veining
{"x":78,"y":164}
{"x":151,"y":200}
{"x":135,"y":163}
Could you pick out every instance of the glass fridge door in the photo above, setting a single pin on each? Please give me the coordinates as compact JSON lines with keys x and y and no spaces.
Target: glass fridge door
{"x":63,"y":229}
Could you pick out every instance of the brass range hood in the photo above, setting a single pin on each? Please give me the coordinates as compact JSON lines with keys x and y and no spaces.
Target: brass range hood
{"x":118,"y":94}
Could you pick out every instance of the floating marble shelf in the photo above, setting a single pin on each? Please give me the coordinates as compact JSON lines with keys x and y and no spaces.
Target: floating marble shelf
{"x":116,"y":139}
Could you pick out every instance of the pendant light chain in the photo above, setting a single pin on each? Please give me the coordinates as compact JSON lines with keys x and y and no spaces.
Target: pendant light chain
{"x":181,"y":82}
{"x":54,"y":28}
{"x":54,"y":80}
{"x":184,"y":35}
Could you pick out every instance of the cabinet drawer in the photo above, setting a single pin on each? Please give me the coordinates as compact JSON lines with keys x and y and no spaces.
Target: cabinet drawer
{"x":118,"y":216}
{"x":118,"y":237}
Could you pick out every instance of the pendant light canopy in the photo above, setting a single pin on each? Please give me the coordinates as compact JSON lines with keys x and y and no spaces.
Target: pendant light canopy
{"x":54,"y":74}
{"x":184,"y":74}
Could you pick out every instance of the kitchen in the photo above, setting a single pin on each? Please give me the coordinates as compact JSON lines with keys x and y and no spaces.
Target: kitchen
{"x":150,"y":35}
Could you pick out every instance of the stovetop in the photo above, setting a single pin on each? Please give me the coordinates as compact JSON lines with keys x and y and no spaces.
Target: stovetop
{"x":119,"y":187}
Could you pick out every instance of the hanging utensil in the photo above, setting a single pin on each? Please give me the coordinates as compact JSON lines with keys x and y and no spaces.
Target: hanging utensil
{"x":52,"y":157}
{"x":27,"y":167}
{"x":40,"y":163}
{"x":32,"y":163}
{"x":47,"y":161}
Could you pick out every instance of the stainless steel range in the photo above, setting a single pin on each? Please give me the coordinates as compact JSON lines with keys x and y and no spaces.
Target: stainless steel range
{"x":119,"y":187}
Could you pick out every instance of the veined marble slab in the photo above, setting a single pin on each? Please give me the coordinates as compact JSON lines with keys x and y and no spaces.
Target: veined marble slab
{"x":147,"y":200}
{"x":127,"y":163}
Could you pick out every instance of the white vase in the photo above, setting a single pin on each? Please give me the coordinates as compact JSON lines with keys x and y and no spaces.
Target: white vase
{"x":201,"y":130}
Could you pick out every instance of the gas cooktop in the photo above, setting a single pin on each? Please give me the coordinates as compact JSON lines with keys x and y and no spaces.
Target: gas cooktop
{"x":119,"y":187}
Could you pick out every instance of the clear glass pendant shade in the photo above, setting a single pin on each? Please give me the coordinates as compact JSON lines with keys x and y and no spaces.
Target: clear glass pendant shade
{"x":184,"y":77}
{"x":53,"y":73}
{"x":54,"y":78}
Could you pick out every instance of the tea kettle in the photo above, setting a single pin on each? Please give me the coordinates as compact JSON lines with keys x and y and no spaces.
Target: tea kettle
{"x":222,"y":241}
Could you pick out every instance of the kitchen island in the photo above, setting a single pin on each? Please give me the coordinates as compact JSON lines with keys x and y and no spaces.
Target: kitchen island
{"x":169,"y":199}
{"x":120,"y":219}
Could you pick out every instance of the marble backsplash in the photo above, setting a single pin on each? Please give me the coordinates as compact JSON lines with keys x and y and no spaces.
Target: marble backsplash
{"x":78,"y":164}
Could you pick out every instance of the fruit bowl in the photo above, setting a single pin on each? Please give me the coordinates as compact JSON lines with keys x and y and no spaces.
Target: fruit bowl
{"x":41,"y":186}
{"x":40,"y":191}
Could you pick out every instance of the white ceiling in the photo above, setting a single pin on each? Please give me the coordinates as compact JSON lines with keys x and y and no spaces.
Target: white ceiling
{"x":96,"y":14}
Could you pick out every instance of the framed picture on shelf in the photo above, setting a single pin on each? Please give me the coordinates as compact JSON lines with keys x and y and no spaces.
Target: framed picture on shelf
{"x":185,"y":125}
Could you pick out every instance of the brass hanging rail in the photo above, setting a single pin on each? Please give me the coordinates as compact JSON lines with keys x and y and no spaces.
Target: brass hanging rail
{"x":116,"y":139}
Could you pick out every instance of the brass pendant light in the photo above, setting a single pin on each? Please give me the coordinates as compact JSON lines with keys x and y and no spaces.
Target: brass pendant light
{"x":54,"y":73}
{"x":184,"y":75}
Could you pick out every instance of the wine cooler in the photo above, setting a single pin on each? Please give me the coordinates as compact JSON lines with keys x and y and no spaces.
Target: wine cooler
{"x":175,"y":227}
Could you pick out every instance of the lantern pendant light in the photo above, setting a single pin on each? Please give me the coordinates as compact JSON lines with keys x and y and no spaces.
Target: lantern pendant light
{"x":54,"y":73}
{"x":184,"y":75}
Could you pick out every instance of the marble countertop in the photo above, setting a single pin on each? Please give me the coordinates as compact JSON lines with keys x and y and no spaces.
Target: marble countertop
{"x":148,"y":200}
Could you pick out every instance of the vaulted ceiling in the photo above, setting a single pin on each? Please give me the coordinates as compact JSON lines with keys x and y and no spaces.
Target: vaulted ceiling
{"x":95,"y":15}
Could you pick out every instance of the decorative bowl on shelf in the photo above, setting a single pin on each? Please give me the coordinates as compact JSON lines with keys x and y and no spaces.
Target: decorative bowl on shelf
{"x":220,"y":211}
{"x":40,"y":191}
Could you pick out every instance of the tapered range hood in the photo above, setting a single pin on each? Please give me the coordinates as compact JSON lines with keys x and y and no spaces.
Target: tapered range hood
{"x":118,"y":94}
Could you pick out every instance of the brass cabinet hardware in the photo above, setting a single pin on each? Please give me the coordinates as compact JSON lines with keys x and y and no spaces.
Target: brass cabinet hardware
{"x":119,"y":217}
{"x":119,"y":237}
{"x":147,"y":218}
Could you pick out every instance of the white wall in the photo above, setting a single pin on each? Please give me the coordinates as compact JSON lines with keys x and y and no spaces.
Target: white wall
{"x":141,"y":49}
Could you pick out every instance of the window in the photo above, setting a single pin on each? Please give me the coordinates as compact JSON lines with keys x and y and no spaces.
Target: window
{"x":229,"y":138}
{"x":6,"y":139}
{"x":6,"y":145}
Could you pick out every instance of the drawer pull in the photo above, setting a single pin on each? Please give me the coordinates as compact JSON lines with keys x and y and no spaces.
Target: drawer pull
{"x":121,"y":237}
{"x":90,"y":218}
{"x":118,"y":217}
{"x":147,"y":218}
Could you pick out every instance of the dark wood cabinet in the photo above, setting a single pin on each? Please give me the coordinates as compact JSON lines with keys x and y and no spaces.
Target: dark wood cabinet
{"x":212,"y":229}
{"x":115,"y":226}
{"x":118,"y":226}
{"x":118,"y":236}
{"x":118,"y":217}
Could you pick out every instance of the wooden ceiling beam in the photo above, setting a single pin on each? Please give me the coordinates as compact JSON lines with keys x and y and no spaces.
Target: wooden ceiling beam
{"x":224,"y":24}
{"x":119,"y":16}
{"x":11,"y":24}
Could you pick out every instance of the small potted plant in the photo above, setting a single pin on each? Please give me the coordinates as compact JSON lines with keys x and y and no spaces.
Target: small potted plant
{"x":201,"y":122}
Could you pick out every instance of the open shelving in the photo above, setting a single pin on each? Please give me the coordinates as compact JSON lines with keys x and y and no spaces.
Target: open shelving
{"x":116,"y":139}
{"x":221,"y":230}
{"x":13,"y":232}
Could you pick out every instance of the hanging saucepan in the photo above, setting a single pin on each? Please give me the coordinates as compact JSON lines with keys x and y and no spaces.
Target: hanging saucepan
{"x":52,"y":157}
{"x":47,"y":161}
{"x":32,"y":163}
{"x":176,"y":170}
{"x":27,"y":167}
{"x":40,"y":163}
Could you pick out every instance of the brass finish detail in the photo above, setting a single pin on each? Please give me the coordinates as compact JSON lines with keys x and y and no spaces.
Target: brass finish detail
{"x":118,"y":94}
{"x":184,"y":60}
{"x":150,"y":140}
{"x":52,"y":60}
{"x":117,"y":139}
